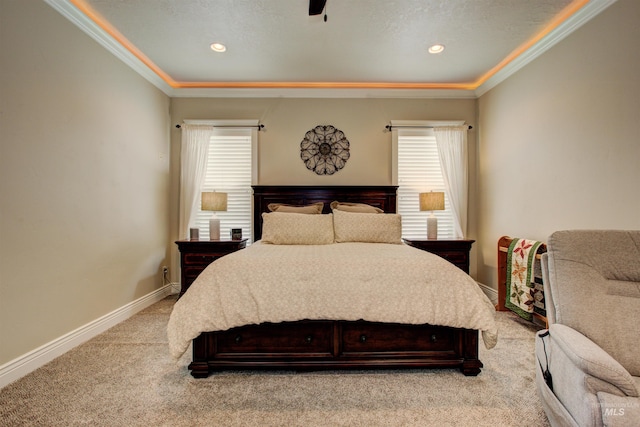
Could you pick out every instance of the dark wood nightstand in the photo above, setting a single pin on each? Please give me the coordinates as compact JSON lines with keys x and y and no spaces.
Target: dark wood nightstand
{"x":196,"y":255}
{"x":454,"y":251}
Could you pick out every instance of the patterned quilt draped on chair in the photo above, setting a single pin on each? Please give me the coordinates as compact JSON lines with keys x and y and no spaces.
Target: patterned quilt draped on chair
{"x":521,"y":278}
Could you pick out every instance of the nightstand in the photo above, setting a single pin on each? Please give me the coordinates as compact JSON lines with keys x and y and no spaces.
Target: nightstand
{"x":456,"y":251}
{"x":196,"y":255}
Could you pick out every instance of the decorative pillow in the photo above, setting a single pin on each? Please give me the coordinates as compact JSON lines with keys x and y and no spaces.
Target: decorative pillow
{"x":355,"y":207}
{"x":367,"y":227}
{"x":315,"y":208}
{"x":286,"y":228}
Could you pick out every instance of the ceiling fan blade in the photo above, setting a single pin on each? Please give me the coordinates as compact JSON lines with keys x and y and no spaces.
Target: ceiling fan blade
{"x":316,"y":6}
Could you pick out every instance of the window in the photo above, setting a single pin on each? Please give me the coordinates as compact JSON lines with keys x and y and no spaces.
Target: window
{"x":418,"y":170}
{"x":229,"y":170}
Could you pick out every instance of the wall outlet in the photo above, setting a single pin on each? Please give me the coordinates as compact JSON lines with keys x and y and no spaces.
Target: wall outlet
{"x":165,"y":269}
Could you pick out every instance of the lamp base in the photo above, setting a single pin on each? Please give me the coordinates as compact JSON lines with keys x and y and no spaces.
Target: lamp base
{"x":432,"y":227}
{"x":214,"y":228}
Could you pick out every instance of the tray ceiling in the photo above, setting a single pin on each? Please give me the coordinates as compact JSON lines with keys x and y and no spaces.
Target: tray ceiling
{"x":363,"y":45}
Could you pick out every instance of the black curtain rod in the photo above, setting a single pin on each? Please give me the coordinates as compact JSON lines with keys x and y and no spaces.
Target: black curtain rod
{"x":389,"y":127}
{"x":260,"y":126}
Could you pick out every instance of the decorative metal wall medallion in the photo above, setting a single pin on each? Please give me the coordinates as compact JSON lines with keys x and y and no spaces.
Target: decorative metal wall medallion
{"x":324,"y":150}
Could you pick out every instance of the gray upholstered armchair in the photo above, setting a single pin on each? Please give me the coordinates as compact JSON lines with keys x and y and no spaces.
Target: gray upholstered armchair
{"x":592,"y":349}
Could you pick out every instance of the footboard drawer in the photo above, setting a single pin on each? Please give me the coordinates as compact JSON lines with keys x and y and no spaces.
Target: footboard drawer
{"x":335,"y":345}
{"x":366,"y":337}
{"x":311,"y":337}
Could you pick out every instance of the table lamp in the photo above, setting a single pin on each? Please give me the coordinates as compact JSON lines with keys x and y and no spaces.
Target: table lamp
{"x":216,"y":202}
{"x":432,"y":201}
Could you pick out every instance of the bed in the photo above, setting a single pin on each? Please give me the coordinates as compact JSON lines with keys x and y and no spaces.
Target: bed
{"x":318,"y":306}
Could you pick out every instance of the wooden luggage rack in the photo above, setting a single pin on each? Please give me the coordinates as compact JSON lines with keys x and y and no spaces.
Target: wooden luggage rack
{"x":503,"y":248}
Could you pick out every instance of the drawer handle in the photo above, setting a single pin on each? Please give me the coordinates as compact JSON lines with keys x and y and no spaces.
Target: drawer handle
{"x":434,"y":338}
{"x":238,"y":339}
{"x":308,"y":339}
{"x":363,"y":338}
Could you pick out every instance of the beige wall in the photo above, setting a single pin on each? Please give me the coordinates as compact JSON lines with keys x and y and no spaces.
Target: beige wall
{"x":84,"y":175}
{"x":558,"y":143}
{"x":287,"y":120}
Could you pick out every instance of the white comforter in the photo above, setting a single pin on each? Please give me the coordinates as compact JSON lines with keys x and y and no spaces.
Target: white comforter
{"x":342,"y":281}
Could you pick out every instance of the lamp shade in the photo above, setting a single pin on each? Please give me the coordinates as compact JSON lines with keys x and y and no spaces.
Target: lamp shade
{"x":214,"y":201}
{"x":432,"y":201}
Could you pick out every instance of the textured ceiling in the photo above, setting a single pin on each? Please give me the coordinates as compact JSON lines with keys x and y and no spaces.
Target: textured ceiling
{"x":363,"y":42}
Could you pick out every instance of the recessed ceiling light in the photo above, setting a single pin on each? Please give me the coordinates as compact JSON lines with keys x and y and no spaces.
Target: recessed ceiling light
{"x":218,"y":47}
{"x":436,"y":48}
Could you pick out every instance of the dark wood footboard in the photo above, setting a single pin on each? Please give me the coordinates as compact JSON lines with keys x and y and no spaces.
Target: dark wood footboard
{"x":323,"y":345}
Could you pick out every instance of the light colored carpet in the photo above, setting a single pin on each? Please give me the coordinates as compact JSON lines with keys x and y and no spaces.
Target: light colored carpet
{"x":125,"y":377}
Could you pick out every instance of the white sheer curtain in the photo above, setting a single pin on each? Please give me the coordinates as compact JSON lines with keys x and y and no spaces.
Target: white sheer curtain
{"x":193,"y":165}
{"x":452,"y":149}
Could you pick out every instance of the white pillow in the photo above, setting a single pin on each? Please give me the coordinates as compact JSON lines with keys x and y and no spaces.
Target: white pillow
{"x":285,"y":228}
{"x":367,"y":227}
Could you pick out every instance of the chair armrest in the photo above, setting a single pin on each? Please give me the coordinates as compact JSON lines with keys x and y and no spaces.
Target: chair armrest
{"x":589,"y":358}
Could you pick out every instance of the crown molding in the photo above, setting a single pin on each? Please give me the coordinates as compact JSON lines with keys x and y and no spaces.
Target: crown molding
{"x":69,"y":11}
{"x":575,"y":21}
{"x":319,"y":93}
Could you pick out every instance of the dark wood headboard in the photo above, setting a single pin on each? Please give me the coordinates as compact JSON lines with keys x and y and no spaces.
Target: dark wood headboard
{"x":381,"y":196}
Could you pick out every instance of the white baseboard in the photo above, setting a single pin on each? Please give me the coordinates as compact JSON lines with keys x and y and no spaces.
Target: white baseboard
{"x":491,"y":293}
{"x":21,"y":366}
{"x":29,"y":362}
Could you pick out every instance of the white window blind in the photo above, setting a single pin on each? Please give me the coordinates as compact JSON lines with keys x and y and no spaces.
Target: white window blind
{"x":419,"y":171}
{"x":229,"y":171}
